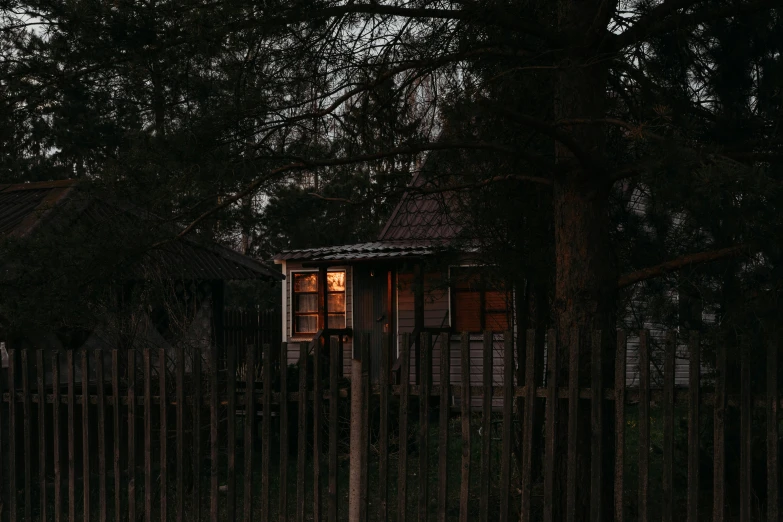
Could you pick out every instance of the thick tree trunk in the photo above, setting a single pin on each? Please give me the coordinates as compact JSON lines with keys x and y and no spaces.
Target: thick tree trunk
{"x":586,"y":274}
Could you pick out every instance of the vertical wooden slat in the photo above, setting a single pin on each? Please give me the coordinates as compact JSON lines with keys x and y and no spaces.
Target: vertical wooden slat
{"x":596,"y":427}
{"x":249,"y":422}
{"x":573,"y":431}
{"x":746,"y":414}
{"x":147,"y":435}
{"x":26,"y":442}
{"x":164,"y":404}
{"x":56,"y":436}
{"x":424,"y":423}
{"x":213,"y":434}
{"x":364,"y":490}
{"x":443,"y":424}
{"x":301,"y":435}
{"x":527,"y":425}
{"x":644,"y":423}
{"x":180,"y":410}
{"x":266,"y":430}
{"x":719,"y":448}
{"x":12,"y":468}
{"x":115,"y":390}
{"x":402,"y":460}
{"x":464,"y":490}
{"x":383,"y":443}
{"x":619,"y":423}
{"x":335,"y":351}
{"x":100,"y":381}
{"x":39,"y":365}
{"x":198,"y":403}
{"x":231,"y":383}
{"x":486,"y":427}
{"x":86,"y":434}
{"x":317,"y":412}
{"x":508,"y":407}
{"x":71,"y":437}
{"x":131,"y":435}
{"x":694,"y":383}
{"x":283,"y":505}
{"x":667,"y":506}
{"x":772,"y":431}
{"x":550,"y":448}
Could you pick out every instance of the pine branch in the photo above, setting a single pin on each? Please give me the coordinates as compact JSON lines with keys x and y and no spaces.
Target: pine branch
{"x":686,"y":261}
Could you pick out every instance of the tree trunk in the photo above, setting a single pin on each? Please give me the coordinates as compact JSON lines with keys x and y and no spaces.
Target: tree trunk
{"x":586,"y":273}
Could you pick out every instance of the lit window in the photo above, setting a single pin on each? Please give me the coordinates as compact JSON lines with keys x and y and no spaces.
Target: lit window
{"x":305,"y":302}
{"x":479,"y":303}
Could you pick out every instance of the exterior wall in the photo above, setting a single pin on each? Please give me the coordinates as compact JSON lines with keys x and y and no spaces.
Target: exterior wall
{"x":293,"y":348}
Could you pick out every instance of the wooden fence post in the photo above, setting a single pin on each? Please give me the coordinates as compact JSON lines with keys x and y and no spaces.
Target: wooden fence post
{"x":355,"y":474}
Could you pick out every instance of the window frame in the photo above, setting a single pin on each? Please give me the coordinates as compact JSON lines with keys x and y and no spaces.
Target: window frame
{"x":294,"y":313}
{"x":482,"y":291}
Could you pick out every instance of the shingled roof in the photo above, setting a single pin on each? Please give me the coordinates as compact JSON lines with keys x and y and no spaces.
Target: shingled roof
{"x":25,"y":207}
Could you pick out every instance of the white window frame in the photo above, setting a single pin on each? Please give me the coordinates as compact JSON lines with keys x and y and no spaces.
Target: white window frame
{"x":292,"y":300}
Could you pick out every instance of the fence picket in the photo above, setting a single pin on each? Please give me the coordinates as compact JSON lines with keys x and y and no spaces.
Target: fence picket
{"x":573,"y":411}
{"x":719,"y":441}
{"x":198,"y":403}
{"x":162,"y":371}
{"x":694,"y":382}
{"x":644,"y":422}
{"x":464,"y":489}
{"x":527,"y":423}
{"x":71,"y":437}
{"x":335,"y":350}
{"x":86,"y":434}
{"x":364,"y":441}
{"x":746,"y":415}
{"x":266,"y":426}
{"x":180,"y":409}
{"x":39,"y":365}
{"x":147,"y":435}
{"x":552,"y":400}
{"x":28,"y":454}
{"x":283,"y":503}
{"x":213,"y":434}
{"x":402,"y":460}
{"x":597,"y":424}
{"x":424,"y":423}
{"x":115,"y":392}
{"x":231,"y":389}
{"x":56,"y":436}
{"x":619,"y":423}
{"x":486,"y":426}
{"x":383,"y":442}
{"x":99,"y":378}
{"x":772,"y":431}
{"x":443,"y":424}
{"x":317,"y":411}
{"x":131,"y":435}
{"x":247,"y":470}
{"x":667,"y":505}
{"x":301,"y":463}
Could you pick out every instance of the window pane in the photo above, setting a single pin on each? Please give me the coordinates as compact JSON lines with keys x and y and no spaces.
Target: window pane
{"x":306,"y":323}
{"x":336,"y":302}
{"x":337,"y":321}
{"x":335,"y":281}
{"x":497,"y":301}
{"x":307,"y":303}
{"x":497,"y":322}
{"x":305,"y":282}
{"x":467,"y":313}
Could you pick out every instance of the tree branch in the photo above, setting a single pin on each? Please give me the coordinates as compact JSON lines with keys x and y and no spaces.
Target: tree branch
{"x":686,"y":261}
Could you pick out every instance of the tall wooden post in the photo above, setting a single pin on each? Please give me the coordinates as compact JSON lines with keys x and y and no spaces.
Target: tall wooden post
{"x":356,"y":462}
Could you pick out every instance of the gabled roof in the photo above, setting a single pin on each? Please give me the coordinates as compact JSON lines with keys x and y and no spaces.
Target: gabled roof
{"x":25,"y":207}
{"x":423,"y":214}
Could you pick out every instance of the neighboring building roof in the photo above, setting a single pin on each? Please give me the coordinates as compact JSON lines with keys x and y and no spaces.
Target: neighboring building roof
{"x":423,"y":214}
{"x":363,"y":251}
{"x":26,"y":206}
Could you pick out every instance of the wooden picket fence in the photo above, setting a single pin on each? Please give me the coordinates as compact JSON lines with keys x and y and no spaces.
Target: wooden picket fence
{"x":139,"y":443}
